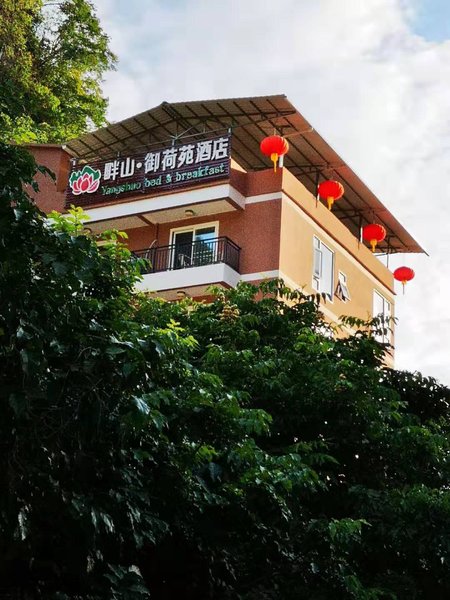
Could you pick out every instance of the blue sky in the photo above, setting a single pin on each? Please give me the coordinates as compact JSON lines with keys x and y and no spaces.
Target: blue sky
{"x":432,"y":19}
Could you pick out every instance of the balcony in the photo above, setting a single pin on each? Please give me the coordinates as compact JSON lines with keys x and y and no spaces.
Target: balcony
{"x":190,"y":267}
{"x":165,"y":208}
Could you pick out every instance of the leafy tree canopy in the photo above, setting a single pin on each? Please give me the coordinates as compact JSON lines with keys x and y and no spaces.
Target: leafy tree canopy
{"x":52,"y":58}
{"x":233,"y":450}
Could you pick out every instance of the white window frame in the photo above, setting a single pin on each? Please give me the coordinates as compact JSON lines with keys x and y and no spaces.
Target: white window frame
{"x":386,"y":304}
{"x":342,"y":287}
{"x":317,"y":274}
{"x":192,"y":228}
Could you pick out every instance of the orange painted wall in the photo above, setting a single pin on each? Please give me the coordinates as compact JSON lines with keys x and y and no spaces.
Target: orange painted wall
{"x":51,"y":194}
{"x":256,"y":230}
{"x":264,"y":182}
{"x":140,"y":238}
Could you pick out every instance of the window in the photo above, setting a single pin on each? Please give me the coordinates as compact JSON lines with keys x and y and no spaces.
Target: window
{"x":193,"y":246}
{"x":342,"y":289}
{"x":323,"y":279}
{"x":382,"y":309}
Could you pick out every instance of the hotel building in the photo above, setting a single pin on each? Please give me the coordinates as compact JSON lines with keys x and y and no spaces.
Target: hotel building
{"x":188,"y":183}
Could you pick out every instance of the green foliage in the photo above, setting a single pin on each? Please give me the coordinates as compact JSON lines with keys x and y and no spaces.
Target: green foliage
{"x":235,"y":450}
{"x":52,"y":58}
{"x":73,"y":222}
{"x":373,"y":445}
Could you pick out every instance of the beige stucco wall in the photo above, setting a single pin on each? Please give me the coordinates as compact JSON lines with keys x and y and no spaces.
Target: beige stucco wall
{"x":296,"y":263}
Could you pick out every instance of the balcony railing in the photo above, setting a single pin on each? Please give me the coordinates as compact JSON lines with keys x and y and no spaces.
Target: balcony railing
{"x":194,"y":254}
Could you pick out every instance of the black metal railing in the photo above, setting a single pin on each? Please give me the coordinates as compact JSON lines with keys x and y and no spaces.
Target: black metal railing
{"x":192,"y":254}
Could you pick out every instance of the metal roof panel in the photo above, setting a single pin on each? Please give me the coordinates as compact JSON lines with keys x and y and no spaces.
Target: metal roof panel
{"x":310,"y":157}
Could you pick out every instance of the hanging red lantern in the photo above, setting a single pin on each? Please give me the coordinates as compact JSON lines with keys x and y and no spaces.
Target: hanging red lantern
{"x":404,"y":274}
{"x":374,"y":234}
{"x":274,"y":146}
{"x":331,"y":191}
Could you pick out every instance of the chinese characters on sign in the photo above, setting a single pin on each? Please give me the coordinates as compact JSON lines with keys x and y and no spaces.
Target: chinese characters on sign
{"x":150,"y":171}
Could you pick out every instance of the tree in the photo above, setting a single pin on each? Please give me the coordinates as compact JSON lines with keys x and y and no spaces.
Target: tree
{"x":232,"y":450}
{"x":52,"y":58}
{"x":103,"y":417}
{"x":366,"y":513}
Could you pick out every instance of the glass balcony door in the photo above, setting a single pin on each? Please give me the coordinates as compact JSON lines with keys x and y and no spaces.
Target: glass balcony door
{"x":194,"y":247}
{"x":182,"y":249}
{"x":205,"y":246}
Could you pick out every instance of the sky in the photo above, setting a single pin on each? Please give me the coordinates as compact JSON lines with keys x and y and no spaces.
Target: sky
{"x":371,"y":76}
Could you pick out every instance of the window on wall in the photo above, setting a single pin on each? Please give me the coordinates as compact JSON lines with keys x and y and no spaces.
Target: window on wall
{"x":342,"y":288}
{"x":382,"y":308}
{"x":323,"y":268}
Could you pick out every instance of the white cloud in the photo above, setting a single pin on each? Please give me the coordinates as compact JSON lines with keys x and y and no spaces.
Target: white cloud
{"x":373,"y":88}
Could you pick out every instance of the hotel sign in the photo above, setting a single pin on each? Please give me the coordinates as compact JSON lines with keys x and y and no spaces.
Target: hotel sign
{"x":149,"y":172}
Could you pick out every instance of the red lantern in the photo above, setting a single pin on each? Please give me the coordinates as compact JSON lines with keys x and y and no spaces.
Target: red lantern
{"x":374,"y":233}
{"x":404,"y":274}
{"x":331,"y":191}
{"x":274,"y":146}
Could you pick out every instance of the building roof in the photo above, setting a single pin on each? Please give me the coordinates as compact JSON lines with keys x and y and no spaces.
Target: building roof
{"x":310,"y":158}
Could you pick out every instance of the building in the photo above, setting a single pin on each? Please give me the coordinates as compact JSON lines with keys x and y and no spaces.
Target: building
{"x":188,"y":183}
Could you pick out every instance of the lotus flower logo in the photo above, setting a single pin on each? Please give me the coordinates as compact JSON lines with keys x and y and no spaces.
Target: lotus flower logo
{"x":85,"y":181}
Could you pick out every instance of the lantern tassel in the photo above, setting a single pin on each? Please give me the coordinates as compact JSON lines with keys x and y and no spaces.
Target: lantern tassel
{"x":330,"y":201}
{"x":373,"y":243}
{"x":274,"y":158}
